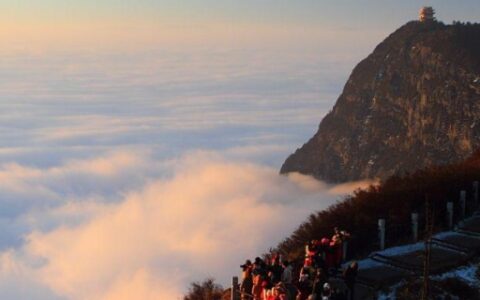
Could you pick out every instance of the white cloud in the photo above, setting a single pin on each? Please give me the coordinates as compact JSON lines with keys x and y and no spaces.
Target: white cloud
{"x":203,"y":221}
{"x":103,"y":190}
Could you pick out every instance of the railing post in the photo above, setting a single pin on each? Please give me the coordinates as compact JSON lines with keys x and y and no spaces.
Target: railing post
{"x":463,"y":204}
{"x":475,"y":195}
{"x":381,"y":233}
{"x":415,"y":227}
{"x":450,"y":215}
{"x":234,"y":293}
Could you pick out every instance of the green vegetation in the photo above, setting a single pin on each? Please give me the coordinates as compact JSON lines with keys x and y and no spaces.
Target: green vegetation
{"x":393,"y":199}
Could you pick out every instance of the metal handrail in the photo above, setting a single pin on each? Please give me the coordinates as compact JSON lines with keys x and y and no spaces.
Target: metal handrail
{"x":450,"y":246}
{"x":395,"y":263}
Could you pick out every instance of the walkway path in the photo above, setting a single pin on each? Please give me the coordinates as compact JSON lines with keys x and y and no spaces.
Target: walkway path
{"x":449,"y":250}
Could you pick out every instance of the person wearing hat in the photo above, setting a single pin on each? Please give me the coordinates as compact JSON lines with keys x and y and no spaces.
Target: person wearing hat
{"x":247,"y":280}
{"x":259,"y":268}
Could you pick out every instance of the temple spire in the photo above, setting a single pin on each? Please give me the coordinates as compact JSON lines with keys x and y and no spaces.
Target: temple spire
{"x":426,"y":14}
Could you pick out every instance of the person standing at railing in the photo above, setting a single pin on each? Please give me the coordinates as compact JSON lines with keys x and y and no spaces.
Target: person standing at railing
{"x":259,"y":273}
{"x":287,"y":280}
{"x":318,"y":283}
{"x":318,"y":259}
{"x":305,"y":281}
{"x":328,"y":252}
{"x":257,"y":289}
{"x":247,"y":281}
{"x":275,"y":270}
{"x":339,"y":237}
{"x":311,"y":250}
{"x":350,"y":276}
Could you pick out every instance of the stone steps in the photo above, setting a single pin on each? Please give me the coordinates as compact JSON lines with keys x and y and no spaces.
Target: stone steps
{"x":448,"y":250}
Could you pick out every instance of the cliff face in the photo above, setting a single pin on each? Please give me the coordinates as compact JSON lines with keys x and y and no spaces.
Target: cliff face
{"x":413,"y":102}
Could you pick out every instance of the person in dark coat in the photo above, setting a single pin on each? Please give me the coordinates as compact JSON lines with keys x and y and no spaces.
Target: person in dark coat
{"x":275,"y":270}
{"x":259,"y":268}
{"x":247,"y":280}
{"x":319,"y":262}
{"x":287,"y":280}
{"x":318,"y":283}
{"x":305,"y":282}
{"x":350,"y":275}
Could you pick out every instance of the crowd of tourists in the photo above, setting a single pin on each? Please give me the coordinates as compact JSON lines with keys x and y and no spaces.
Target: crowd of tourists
{"x":279,"y":279}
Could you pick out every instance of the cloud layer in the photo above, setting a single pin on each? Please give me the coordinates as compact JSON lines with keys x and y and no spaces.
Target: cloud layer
{"x":202,"y":221}
{"x":127,"y":175}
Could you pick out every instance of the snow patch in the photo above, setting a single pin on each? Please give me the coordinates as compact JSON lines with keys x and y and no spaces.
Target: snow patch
{"x":401,"y":250}
{"x":465,"y":273}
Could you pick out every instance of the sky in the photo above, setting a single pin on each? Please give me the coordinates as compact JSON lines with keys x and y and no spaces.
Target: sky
{"x":141,"y":140}
{"x":89,"y":24}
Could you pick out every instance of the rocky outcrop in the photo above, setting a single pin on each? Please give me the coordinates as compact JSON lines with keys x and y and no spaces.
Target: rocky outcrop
{"x":413,"y":102}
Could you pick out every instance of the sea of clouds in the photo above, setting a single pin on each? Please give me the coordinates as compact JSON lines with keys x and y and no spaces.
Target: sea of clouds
{"x":129,"y":175}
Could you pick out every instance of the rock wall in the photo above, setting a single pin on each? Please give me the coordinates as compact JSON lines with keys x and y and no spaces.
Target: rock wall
{"x":413,"y":102}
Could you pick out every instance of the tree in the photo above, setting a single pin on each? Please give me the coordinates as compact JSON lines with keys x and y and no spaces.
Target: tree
{"x":206,"y":290}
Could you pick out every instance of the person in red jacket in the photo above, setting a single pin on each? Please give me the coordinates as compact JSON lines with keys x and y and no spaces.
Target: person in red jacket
{"x":329,"y":253}
{"x":257,"y":289}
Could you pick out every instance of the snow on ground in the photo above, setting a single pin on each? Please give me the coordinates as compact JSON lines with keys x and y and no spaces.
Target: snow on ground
{"x":366,"y":264}
{"x":466,"y":273}
{"x":405,"y":249}
{"x":400,"y":250}
{"x":447,"y":234}
{"x":391,"y":292}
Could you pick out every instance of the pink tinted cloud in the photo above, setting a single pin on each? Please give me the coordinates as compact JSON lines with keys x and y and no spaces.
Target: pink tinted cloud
{"x":203,"y":221}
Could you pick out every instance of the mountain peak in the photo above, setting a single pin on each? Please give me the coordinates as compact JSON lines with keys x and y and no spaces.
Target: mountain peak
{"x":413,"y":102}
